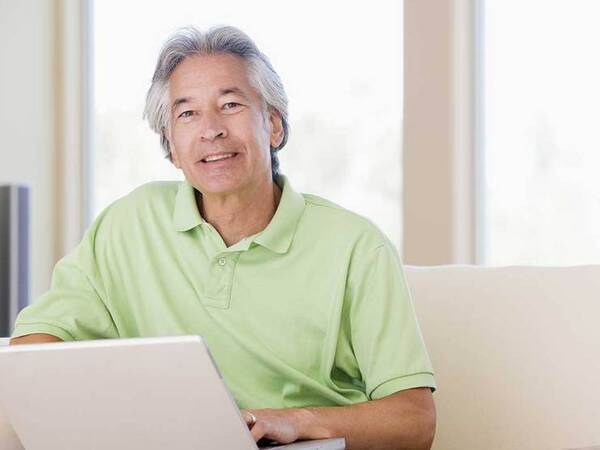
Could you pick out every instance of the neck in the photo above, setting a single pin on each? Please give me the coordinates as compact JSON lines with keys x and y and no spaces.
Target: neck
{"x":240,"y":214}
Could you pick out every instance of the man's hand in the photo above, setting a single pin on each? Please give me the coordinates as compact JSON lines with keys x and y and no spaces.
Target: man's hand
{"x":281,"y":425}
{"x":403,"y":420}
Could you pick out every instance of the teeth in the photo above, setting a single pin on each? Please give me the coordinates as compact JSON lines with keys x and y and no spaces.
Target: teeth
{"x":218,"y":157}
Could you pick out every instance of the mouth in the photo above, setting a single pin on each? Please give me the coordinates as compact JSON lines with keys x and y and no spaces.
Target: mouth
{"x":211,"y":159}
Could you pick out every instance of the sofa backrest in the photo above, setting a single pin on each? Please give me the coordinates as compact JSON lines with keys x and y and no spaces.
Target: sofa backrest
{"x":516,"y":354}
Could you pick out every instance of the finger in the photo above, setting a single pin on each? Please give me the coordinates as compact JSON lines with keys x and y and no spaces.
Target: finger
{"x":257,"y":431}
{"x":247,"y":417}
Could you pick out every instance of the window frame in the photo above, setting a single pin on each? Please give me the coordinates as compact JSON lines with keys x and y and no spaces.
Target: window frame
{"x":442,"y":207}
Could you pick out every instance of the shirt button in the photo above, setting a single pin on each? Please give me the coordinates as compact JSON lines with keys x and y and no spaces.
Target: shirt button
{"x":222,"y":261}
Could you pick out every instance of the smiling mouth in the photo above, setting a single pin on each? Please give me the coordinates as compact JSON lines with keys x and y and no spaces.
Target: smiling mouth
{"x":221,"y":157}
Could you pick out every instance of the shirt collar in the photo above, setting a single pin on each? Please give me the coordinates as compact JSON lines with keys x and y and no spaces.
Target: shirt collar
{"x":278,"y":234}
{"x":185,"y":214}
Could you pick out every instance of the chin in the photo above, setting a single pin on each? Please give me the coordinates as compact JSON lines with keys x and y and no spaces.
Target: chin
{"x":219,"y":187}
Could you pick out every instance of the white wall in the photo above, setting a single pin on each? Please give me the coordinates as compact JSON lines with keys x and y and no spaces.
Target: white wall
{"x":27,"y":121}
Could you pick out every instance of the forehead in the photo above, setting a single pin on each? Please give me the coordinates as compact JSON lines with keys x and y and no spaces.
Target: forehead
{"x":209,"y":74}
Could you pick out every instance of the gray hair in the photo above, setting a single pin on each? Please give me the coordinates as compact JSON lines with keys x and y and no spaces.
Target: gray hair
{"x":190,"y":41}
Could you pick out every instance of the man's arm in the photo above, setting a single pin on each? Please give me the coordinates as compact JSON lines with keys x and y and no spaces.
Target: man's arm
{"x":37,"y":338}
{"x":404,"y":420}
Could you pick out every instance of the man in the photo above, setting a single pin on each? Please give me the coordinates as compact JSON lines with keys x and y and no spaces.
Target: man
{"x":303,"y":303}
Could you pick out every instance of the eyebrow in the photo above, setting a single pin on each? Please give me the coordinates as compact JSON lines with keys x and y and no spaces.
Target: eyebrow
{"x":222,"y":92}
{"x":232,"y":90}
{"x":179,"y":101}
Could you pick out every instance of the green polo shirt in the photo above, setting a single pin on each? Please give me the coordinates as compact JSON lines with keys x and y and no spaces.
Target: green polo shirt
{"x":313,"y":310}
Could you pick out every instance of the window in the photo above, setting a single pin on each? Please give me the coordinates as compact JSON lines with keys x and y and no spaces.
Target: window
{"x":341,"y":64}
{"x":541,"y":158}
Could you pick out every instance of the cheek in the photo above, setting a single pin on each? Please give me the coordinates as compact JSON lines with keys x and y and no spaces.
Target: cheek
{"x":260,"y":135}
{"x":182,"y":140}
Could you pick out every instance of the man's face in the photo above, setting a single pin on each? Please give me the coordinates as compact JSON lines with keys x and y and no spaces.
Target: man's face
{"x":215,"y":112}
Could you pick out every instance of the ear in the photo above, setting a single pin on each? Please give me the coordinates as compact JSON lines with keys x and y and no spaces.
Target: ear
{"x":276,"y":125}
{"x":172,"y":150}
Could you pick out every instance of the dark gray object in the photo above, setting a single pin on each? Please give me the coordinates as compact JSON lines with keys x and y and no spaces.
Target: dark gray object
{"x":14,"y":254}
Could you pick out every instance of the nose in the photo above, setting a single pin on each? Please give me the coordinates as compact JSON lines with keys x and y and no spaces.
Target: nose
{"x":212,"y":127}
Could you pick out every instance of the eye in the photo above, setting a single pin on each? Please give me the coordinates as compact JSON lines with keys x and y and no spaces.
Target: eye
{"x":230,"y":105}
{"x":186,"y":114}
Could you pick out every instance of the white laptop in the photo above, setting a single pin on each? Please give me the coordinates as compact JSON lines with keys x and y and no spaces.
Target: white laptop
{"x":8,"y":439}
{"x":144,"y":393}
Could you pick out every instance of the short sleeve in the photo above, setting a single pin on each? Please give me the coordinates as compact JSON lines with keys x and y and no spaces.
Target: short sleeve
{"x":73,"y":308}
{"x":385,"y":334}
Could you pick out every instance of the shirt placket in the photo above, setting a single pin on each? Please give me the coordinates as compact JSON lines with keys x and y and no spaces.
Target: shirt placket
{"x":222,"y":270}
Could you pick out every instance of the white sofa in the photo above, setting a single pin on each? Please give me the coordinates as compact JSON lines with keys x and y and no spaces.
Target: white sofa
{"x":516,"y":353}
